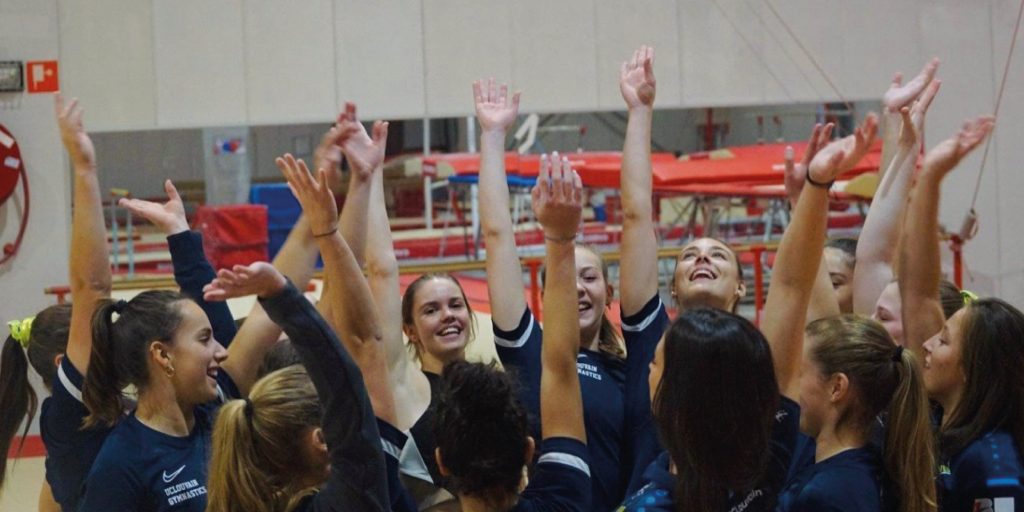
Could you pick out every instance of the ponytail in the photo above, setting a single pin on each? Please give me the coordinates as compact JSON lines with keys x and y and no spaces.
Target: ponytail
{"x":101,"y":391}
{"x":257,"y":445}
{"x":609,"y":341}
{"x":120,"y":349}
{"x":908,"y":454}
{"x":883,"y":378}
{"x":18,"y":400}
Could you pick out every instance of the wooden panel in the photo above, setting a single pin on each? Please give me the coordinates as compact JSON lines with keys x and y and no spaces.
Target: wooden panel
{"x":622,"y":27}
{"x":553,"y":55}
{"x":379,"y":55}
{"x":289,"y":49}
{"x":722,"y":61}
{"x":106,"y":49}
{"x":200,"y":70}
{"x":464,"y":40}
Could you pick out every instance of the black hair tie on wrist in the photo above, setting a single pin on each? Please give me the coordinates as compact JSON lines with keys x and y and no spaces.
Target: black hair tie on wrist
{"x":818,"y":184}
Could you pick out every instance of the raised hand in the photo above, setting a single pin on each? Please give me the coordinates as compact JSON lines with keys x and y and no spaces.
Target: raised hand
{"x":899,"y":95}
{"x":363,"y":152}
{"x":72,"y":134}
{"x":494,"y":110}
{"x":796,"y":174}
{"x":169,"y":217}
{"x":948,"y":153}
{"x":636,"y":79}
{"x":327,"y":155}
{"x":313,"y":194}
{"x":841,"y":155}
{"x":260,"y":278}
{"x":557,"y":198}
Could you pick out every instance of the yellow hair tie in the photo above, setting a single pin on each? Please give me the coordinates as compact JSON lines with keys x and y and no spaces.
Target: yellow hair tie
{"x":21,"y":331}
{"x":968,"y":296}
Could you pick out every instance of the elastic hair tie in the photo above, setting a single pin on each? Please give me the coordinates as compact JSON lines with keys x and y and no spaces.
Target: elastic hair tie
{"x":248,"y":409}
{"x":968,"y":296}
{"x":828,"y":185}
{"x":21,"y":330}
{"x":119,"y":306}
{"x":897,"y":356}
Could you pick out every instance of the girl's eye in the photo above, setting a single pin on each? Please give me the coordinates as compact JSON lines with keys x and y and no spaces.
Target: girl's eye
{"x":428,"y":311}
{"x":688,"y":256}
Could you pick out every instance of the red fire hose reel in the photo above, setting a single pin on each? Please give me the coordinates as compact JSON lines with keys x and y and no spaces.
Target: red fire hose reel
{"x":11,"y":168}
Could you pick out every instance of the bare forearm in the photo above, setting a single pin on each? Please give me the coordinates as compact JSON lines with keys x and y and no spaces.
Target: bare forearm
{"x":89,"y":258}
{"x":297,"y":257}
{"x":876,"y":248}
{"x":639,"y":243}
{"x":823,"y":303}
{"x":891,"y":122}
{"x":919,"y":267}
{"x":561,"y":403}
{"x":348,"y":294}
{"x":354,"y":217}
{"x":504,"y":271}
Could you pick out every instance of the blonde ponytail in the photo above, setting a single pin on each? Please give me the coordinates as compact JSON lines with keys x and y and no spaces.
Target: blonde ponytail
{"x":256,"y":463}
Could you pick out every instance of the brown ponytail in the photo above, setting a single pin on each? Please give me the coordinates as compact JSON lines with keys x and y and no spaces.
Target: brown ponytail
{"x":120,"y":349}
{"x":257,"y":445}
{"x":18,"y":400}
{"x":909,"y":456}
{"x":883,"y":377}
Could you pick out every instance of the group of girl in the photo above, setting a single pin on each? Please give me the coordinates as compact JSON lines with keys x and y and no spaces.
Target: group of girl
{"x":869,"y":384}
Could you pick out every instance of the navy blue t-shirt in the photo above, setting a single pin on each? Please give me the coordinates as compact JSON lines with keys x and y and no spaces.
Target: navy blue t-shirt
{"x":358,"y":478}
{"x":561,"y":479}
{"x":142,"y":469}
{"x":642,"y":331}
{"x":985,"y":476}
{"x":393,"y":441}
{"x":656,"y":494}
{"x":70,"y":450}
{"x":601,"y":384}
{"x":849,"y":481}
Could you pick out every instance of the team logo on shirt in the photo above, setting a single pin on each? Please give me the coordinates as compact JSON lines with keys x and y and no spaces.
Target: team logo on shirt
{"x":168,"y":478}
{"x":994,"y":505}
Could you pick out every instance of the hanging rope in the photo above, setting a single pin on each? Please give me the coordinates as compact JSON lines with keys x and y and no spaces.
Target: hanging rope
{"x":807,"y":53}
{"x":999,"y":101}
{"x":799,"y":68}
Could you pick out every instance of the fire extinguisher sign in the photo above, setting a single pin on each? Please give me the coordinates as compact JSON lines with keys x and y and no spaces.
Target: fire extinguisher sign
{"x":42,"y":76}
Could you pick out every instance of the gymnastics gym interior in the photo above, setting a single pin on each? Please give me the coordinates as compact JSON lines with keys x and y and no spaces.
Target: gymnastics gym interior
{"x":207,"y":93}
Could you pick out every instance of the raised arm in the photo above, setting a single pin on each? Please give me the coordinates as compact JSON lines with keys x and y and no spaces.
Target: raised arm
{"x":898,"y":96}
{"x":919,"y":265}
{"x":358,"y":475}
{"x":192,"y":271}
{"x":799,"y":256}
{"x":876,"y":248}
{"x":89,"y":261}
{"x":365,"y":154}
{"x":639,"y":267}
{"x":557,"y":204}
{"x":357,"y":321}
{"x":496,"y":114}
{"x":823,"y":302}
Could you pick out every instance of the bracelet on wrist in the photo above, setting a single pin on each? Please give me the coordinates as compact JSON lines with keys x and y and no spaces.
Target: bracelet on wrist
{"x":818,"y":184}
{"x":329,"y":233}
{"x":558,"y":239}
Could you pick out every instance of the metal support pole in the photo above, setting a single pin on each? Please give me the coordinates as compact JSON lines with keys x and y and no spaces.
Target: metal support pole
{"x":758,"y":283}
{"x":428,"y":189}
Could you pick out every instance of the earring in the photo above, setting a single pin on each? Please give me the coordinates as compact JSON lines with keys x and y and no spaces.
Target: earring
{"x":169,"y":370}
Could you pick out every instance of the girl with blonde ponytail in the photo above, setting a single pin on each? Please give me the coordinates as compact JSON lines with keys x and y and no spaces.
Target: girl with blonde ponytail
{"x":271,"y":451}
{"x":853,"y":374}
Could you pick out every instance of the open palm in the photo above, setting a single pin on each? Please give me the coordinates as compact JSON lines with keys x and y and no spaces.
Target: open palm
{"x":636,"y":79}
{"x":494,"y":111}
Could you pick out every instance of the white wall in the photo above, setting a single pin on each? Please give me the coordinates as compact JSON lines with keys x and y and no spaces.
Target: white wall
{"x":191,"y":63}
{"x":28,"y":31}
